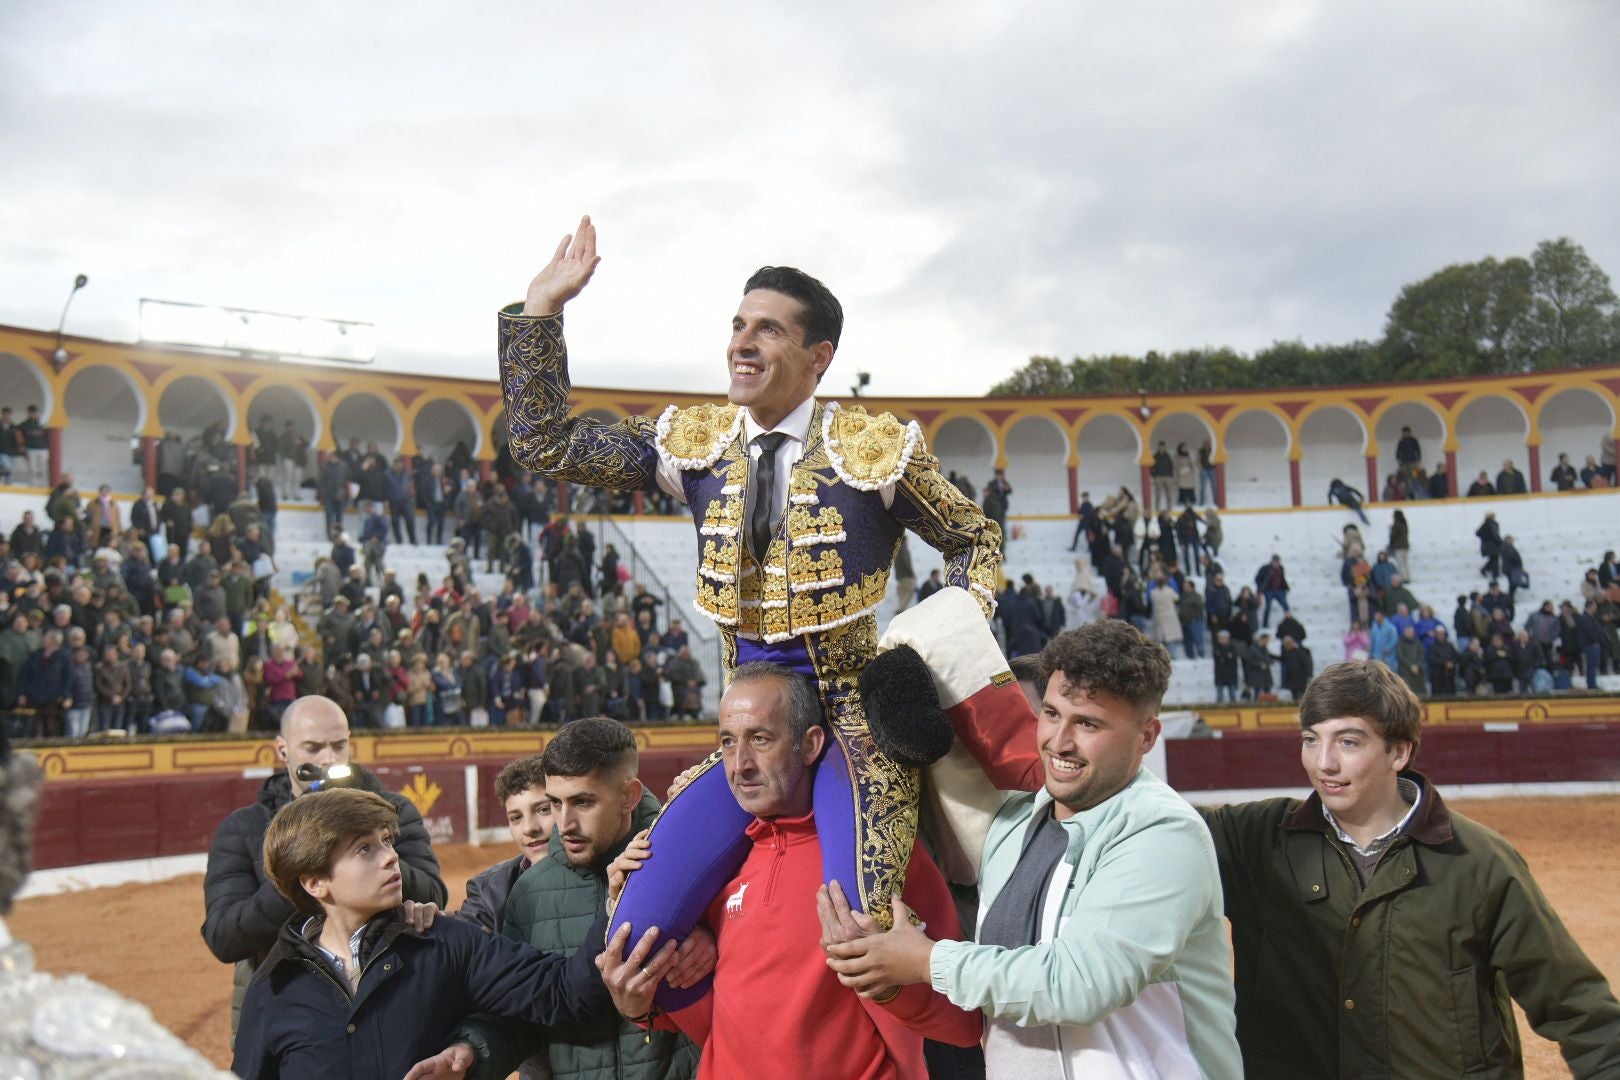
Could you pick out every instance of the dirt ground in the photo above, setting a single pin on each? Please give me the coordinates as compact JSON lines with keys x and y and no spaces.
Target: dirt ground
{"x":143,"y":940}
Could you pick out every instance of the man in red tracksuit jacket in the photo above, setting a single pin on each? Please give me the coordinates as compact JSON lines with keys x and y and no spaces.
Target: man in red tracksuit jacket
{"x":776,"y":1009}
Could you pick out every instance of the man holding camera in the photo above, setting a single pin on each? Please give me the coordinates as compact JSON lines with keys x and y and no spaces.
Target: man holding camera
{"x":244,"y":910}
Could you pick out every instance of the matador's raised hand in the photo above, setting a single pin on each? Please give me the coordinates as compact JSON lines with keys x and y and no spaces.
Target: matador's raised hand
{"x":567,"y":272}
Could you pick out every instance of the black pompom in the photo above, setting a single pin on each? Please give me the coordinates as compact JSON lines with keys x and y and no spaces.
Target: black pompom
{"x":902,"y":708}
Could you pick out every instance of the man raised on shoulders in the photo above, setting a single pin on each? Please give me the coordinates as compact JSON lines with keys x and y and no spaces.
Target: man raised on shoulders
{"x":1100,"y":950}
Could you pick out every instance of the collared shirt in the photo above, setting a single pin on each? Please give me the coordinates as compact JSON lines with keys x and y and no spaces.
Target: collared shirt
{"x":1366,"y":858}
{"x":796,"y":426}
{"x":337,"y":961}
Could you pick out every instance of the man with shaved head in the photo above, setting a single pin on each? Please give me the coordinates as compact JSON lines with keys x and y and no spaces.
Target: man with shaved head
{"x":244,"y":910}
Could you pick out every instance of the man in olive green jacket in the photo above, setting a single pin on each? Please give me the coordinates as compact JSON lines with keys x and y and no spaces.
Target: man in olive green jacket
{"x":1378,"y":934}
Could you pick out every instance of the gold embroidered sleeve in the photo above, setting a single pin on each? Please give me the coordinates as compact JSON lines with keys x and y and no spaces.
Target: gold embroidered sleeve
{"x":545,"y":437}
{"x":950,"y":522}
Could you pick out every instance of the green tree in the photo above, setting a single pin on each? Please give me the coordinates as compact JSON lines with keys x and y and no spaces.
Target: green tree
{"x":1555,"y":309}
{"x":1572,"y":317}
{"x":1467,"y":319}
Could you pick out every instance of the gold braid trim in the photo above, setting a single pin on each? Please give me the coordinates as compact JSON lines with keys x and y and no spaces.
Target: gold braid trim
{"x":868,"y":452}
{"x":544,"y":437}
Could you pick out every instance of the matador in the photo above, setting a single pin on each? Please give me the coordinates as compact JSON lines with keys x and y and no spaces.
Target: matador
{"x":799,"y":506}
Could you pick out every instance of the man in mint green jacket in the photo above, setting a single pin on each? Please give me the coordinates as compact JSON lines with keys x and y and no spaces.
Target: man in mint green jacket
{"x":1101,"y":949}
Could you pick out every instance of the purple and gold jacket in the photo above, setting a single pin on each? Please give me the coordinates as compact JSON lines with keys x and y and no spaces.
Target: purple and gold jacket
{"x":828,"y":566}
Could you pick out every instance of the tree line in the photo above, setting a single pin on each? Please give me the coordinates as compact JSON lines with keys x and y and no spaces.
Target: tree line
{"x":1555,"y":309}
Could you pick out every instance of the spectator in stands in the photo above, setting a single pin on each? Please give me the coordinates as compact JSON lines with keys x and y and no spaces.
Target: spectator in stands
{"x":1397,"y":597}
{"x":1394,"y":489}
{"x":401,"y":501}
{"x":1186,"y":476}
{"x":1471,"y":668}
{"x":1513,"y":567}
{"x":1357,"y":642}
{"x":1163,"y":474}
{"x":446,"y":692}
{"x":1272,"y":581}
{"x":1592,"y":474}
{"x":1482,"y":485}
{"x":1510,"y":481}
{"x":1410,"y":661}
{"x":10,"y":446}
{"x":686,"y":681}
{"x":1206,"y":474}
{"x":45,"y":685}
{"x":1443,"y":660}
{"x":1224,"y":655}
{"x":1589,"y":640}
{"x":1563,"y":475}
{"x":1408,"y":451}
{"x":1400,"y":544}
{"x":499,"y":521}
{"x":1187,"y":536}
{"x":997,"y":495}
{"x":1342,"y":493}
{"x":1439,"y":482}
{"x":368,"y":688}
{"x":201,"y":681}
{"x":1257,"y":661}
{"x":1382,"y":639}
{"x":1292,"y":628}
{"x":1021,"y":621}
{"x":1490,"y":546}
{"x":1297,"y":667}
{"x":373,"y":541}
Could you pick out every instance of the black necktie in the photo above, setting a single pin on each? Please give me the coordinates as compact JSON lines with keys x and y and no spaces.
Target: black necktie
{"x":759,"y":521}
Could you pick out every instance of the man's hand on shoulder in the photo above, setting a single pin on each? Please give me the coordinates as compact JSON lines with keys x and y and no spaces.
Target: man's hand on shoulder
{"x":567,"y":273}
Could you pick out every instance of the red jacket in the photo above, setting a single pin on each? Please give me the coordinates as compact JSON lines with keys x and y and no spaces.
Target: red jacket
{"x":777,"y":1009}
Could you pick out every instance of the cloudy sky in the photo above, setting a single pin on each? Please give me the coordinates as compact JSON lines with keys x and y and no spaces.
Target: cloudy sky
{"x":979,"y":182}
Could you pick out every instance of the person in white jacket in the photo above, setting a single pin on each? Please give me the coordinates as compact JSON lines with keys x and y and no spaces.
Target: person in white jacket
{"x":1101,"y":950}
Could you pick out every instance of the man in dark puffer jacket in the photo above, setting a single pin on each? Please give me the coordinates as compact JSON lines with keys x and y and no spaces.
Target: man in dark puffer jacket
{"x":599,"y":805}
{"x":244,"y":910}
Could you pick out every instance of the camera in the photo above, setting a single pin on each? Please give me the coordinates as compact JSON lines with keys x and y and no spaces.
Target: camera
{"x":315,"y":778}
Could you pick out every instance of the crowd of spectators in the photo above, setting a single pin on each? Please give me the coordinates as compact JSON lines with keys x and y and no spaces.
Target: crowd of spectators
{"x":167,"y":622}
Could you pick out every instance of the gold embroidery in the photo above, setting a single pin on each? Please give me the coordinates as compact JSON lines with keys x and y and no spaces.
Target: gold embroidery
{"x":804,"y":568}
{"x":695,"y":437}
{"x":723,"y":516}
{"x":868,"y":451}
{"x":885,"y":797}
{"x":803,"y":521}
{"x":951,"y":523}
{"x":846,"y":649}
{"x":544,"y":437}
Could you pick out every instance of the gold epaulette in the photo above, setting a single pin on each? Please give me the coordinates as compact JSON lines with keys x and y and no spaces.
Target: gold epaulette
{"x":694,"y":438}
{"x":868,"y":452}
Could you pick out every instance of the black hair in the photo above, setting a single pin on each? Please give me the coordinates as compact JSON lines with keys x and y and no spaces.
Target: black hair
{"x":587,"y":745}
{"x":819,"y":310}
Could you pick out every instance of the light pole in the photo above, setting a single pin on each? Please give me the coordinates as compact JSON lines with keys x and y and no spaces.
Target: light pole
{"x":60,"y":356}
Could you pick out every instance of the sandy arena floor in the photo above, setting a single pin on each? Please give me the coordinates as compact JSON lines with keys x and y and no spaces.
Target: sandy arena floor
{"x":144,"y":940}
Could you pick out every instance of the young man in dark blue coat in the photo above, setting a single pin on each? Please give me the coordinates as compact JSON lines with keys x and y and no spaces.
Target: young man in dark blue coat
{"x":351,"y":990}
